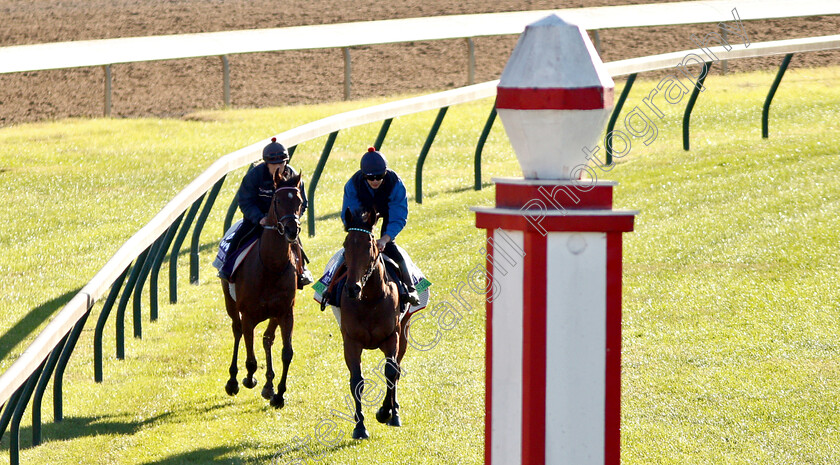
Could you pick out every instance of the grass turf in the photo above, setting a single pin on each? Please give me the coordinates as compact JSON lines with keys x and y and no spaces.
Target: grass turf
{"x":730,"y":287}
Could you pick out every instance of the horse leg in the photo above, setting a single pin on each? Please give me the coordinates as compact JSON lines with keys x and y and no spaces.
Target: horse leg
{"x":403,"y":341}
{"x":401,"y":348}
{"x":250,"y":360}
{"x":232,"y":386}
{"x":353,"y":359}
{"x":268,"y":341}
{"x":286,"y":325}
{"x":388,"y":413}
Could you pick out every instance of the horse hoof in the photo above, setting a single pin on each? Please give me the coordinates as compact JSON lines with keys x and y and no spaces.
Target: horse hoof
{"x":277,"y":401}
{"x":360,"y":432}
{"x":395,"y":420}
{"x":232,"y":387}
{"x":249,"y":382}
{"x":267,"y":392}
{"x":383,"y":415}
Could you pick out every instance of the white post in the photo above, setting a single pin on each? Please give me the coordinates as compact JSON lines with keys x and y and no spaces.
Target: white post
{"x":225,"y":80}
{"x":347,"y":70}
{"x":553,"y":373}
{"x":107,"y":105}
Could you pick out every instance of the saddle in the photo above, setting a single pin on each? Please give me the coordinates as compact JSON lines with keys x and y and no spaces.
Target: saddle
{"x":336,"y":286}
{"x":238,"y":257}
{"x":328,"y":288}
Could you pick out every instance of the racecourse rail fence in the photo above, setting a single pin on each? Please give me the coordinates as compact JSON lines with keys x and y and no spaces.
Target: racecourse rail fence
{"x":108,"y":52}
{"x":142,"y":256}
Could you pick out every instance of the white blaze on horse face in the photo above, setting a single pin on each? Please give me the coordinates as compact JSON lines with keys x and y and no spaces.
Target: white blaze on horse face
{"x":356,"y":258}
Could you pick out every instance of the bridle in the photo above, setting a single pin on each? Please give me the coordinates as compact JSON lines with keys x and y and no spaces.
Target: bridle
{"x":281,"y":225}
{"x":377,"y":256}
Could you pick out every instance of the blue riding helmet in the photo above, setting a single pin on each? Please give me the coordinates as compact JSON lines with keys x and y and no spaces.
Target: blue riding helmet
{"x":275,"y":152}
{"x":373,"y":162}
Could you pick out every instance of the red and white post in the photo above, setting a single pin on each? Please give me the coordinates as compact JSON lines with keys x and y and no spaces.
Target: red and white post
{"x":553,"y":379}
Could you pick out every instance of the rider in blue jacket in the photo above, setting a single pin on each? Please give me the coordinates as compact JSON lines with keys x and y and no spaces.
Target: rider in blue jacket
{"x":255,"y":194}
{"x":374,"y":185}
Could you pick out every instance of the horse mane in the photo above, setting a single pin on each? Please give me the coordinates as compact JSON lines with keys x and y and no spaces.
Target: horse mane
{"x":362,"y":218}
{"x":284,"y":180}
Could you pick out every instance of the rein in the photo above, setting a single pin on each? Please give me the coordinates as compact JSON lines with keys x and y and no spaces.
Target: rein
{"x":279,"y":225}
{"x":281,"y":230}
{"x":372,"y":265}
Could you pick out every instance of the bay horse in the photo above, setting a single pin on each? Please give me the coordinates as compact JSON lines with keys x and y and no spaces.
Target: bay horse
{"x":370,"y":317}
{"x":265,"y":286}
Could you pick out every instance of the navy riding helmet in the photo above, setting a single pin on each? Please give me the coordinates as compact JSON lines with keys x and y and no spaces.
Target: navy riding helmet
{"x":373,"y":163}
{"x":275,"y":152}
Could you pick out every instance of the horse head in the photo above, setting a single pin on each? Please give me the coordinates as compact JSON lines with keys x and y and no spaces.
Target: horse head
{"x":284,"y":214}
{"x":360,"y":250}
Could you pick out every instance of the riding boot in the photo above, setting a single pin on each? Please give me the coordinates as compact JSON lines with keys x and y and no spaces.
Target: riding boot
{"x":304,"y":275}
{"x":411,"y":293}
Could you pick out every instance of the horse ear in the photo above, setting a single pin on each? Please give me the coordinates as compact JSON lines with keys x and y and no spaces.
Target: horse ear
{"x":278,"y":178}
{"x":296,"y":179}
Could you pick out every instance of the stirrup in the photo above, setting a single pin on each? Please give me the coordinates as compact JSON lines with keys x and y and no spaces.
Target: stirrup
{"x":305,"y":278}
{"x":325,"y":298}
{"x":413,"y":299}
{"x":411,"y":296}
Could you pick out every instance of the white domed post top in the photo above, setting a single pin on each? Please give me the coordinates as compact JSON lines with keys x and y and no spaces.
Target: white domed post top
{"x":554,"y":98}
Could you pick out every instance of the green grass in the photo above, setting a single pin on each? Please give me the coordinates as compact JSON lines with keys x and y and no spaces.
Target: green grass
{"x":730,"y":285}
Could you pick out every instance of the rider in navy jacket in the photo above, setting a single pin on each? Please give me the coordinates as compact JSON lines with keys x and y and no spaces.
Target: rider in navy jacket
{"x":374,"y":185}
{"x":257,"y":190}
{"x":255,"y":194}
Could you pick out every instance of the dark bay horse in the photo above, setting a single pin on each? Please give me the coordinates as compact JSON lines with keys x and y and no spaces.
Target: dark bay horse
{"x":265,"y":285}
{"x":370,"y":317}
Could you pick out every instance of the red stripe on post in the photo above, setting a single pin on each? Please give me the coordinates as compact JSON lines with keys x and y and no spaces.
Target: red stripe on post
{"x":529,"y":221}
{"x":534,"y":342}
{"x":612,"y":401}
{"x":571,"y":195}
{"x":488,"y":359}
{"x":530,"y":98}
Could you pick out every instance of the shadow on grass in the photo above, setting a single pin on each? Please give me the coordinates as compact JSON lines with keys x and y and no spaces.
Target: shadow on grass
{"x":298,"y":452}
{"x":214,"y":455}
{"x":458,"y":190}
{"x":32,"y":320}
{"x":76,"y":427}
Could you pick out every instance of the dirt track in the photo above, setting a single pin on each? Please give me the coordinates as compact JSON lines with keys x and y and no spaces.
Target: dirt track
{"x":175,"y":88}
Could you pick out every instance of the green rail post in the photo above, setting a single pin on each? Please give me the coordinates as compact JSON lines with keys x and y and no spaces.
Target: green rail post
{"x":479,"y":148}
{"x":176,"y":249}
{"x":765,"y":111}
{"x":691,"y":100}
{"x":138,"y":287}
{"x":310,"y":211}
{"x":100,"y":325}
{"x":129,"y":287}
{"x":14,"y":431}
{"x":234,"y":205}
{"x":153,"y":285}
{"x":66,"y":352}
{"x":40,"y":388}
{"x":383,"y":131}
{"x":9,"y":410}
{"x":614,"y":117}
{"x":418,"y":176}
{"x":199,"y":226}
